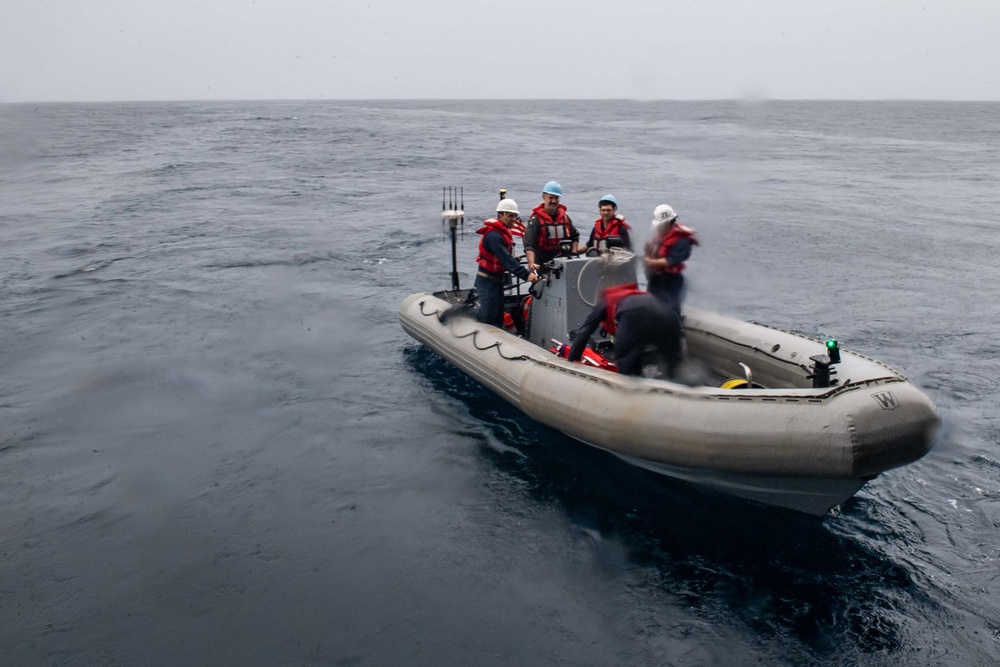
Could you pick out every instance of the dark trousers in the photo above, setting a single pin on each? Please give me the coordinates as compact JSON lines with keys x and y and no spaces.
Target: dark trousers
{"x":644,"y":320}
{"x":490,"y":293}
{"x":668,"y":288}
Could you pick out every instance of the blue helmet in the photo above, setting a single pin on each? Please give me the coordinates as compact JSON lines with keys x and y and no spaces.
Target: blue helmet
{"x":552,"y":188}
{"x":610,"y":199}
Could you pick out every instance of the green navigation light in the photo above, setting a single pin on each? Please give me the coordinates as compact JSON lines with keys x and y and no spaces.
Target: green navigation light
{"x":833,"y":350}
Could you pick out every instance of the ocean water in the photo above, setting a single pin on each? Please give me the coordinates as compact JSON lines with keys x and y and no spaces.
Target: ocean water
{"x":217,"y":446}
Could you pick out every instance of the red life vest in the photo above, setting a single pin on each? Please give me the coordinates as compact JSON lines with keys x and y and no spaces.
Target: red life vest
{"x":612,"y":232}
{"x":488,"y":261}
{"x":551,"y":232}
{"x":612,"y":297}
{"x":676,"y":233}
{"x":592,"y":357}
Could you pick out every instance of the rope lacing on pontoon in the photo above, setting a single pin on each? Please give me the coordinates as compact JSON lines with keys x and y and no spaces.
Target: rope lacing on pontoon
{"x":474,"y":333}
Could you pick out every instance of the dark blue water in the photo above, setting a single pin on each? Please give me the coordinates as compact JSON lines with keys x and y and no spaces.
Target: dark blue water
{"x":217,"y":446}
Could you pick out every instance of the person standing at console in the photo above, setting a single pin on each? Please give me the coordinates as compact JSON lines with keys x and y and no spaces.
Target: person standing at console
{"x":610,"y":230}
{"x":494,"y":262}
{"x":666,"y":253}
{"x":548,"y":226}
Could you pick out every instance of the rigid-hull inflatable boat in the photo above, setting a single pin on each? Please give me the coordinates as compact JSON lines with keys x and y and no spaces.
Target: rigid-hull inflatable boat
{"x":791,"y":435}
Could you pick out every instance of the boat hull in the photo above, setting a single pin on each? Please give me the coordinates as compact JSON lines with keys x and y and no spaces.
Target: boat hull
{"x":802,"y":448}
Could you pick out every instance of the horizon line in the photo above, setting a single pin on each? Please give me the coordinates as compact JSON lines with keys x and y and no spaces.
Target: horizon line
{"x":753,"y":99}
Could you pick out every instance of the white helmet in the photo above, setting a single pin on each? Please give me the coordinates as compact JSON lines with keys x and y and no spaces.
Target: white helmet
{"x":663,"y":213}
{"x":507,"y":206}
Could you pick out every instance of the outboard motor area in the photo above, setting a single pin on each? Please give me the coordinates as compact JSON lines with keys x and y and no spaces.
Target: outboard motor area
{"x":570,"y":289}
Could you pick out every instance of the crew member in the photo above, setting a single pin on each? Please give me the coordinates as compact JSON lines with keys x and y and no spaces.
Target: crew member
{"x":666,"y":253}
{"x":548,"y":226}
{"x":636,"y":319}
{"x":494,"y":260}
{"x":610,"y":230}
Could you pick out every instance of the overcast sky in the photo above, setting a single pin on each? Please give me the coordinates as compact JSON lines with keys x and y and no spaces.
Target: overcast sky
{"x":644,"y":49}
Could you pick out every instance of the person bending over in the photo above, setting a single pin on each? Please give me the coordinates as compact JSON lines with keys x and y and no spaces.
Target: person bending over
{"x":636,"y":319}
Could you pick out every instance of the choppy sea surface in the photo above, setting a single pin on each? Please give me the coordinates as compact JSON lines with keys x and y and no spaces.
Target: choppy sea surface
{"x":217,"y":446}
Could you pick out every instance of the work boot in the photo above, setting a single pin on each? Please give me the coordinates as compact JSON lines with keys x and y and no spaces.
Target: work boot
{"x":458,"y":310}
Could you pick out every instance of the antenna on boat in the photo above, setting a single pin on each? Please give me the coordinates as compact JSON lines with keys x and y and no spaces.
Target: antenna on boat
{"x":453,"y":223}
{"x":453,"y":215}
{"x":451,"y":207}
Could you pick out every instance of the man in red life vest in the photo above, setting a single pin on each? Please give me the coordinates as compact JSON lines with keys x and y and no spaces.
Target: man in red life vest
{"x":494,"y":260}
{"x":548,"y":226}
{"x":636,"y":319}
{"x":666,"y":253}
{"x":610,"y":230}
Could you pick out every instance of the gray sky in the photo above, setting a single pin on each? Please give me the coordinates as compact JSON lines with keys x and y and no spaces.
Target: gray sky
{"x":644,"y":49}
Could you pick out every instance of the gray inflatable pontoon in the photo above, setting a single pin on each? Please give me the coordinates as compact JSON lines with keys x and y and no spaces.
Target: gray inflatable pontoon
{"x":781,"y":440}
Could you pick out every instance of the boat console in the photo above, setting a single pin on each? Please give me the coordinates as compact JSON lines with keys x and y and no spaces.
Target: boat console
{"x":568,"y":291}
